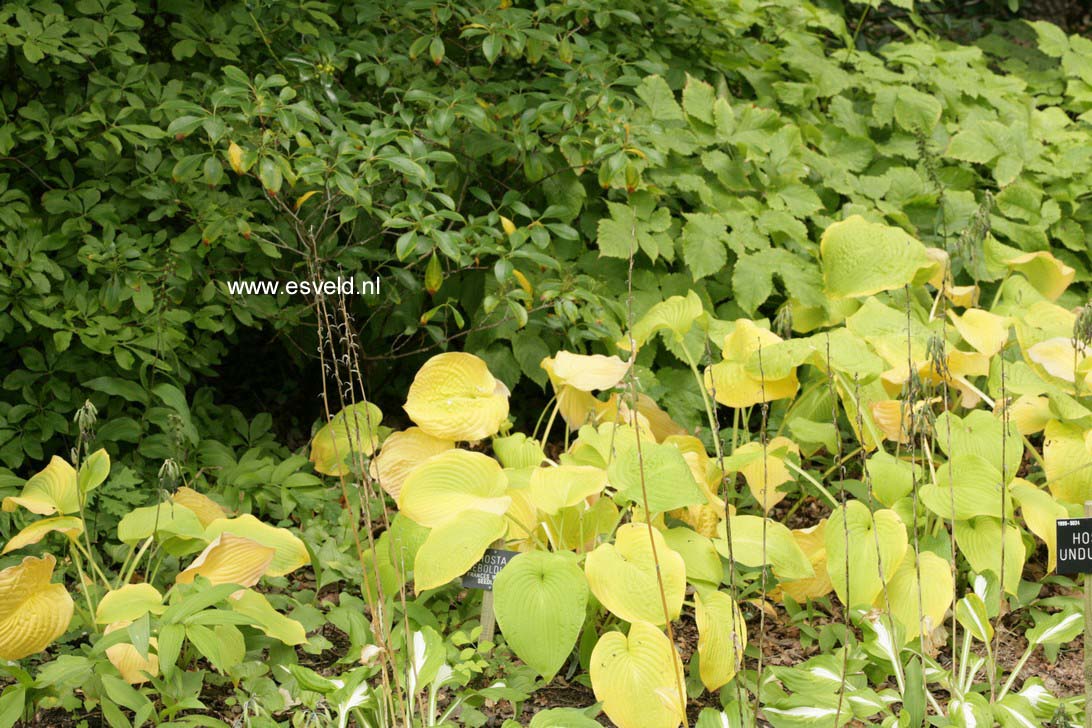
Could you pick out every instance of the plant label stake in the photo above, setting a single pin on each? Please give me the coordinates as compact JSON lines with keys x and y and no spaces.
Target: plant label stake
{"x":1074,"y":539}
{"x":481,"y":576}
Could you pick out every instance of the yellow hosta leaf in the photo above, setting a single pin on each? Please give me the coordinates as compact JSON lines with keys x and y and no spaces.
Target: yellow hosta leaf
{"x":1041,"y":513}
{"x":134,"y":668}
{"x":229,"y":559}
{"x":454,"y":546}
{"x":634,"y":676}
{"x":263,"y":616}
{"x":1047,"y":274}
{"x":290,"y":553}
{"x":452,"y":483}
{"x":454,"y":397}
{"x":812,"y":541}
{"x":962,"y":296}
{"x":579,"y":408}
{"x":659,"y":422}
{"x":235,"y":158}
{"x":623,"y":577}
{"x":129,"y":603}
{"x":1068,"y":462}
{"x":722,"y":637}
{"x":401,"y":453}
{"x":206,"y":509}
{"x":554,"y":488}
{"x":53,"y":490}
{"x":583,"y":372}
{"x":1030,"y":414}
{"x":985,"y":331}
{"x":860,"y":547}
{"x":677,"y":315}
{"x":914,"y":608}
{"x":1057,"y":357}
{"x":33,"y":611}
{"x":730,"y":380}
{"x":892,"y":417}
{"x":980,"y":540}
{"x":765,"y":475}
{"x":860,"y":258}
{"x":352,"y":431}
{"x":70,"y":526}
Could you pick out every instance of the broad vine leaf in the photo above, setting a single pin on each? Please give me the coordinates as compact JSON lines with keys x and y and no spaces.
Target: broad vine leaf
{"x":623,"y":575}
{"x":452,"y":483}
{"x":454,"y":397}
{"x":634,"y":676}
{"x":540,"y":598}
{"x":861,"y":258}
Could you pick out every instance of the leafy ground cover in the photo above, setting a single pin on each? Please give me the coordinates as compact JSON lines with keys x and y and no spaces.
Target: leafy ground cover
{"x":758,"y":331}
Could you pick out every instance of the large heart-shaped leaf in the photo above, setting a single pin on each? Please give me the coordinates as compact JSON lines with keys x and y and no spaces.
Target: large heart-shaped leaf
{"x":351,"y":432}
{"x":758,"y":541}
{"x":401,"y":453}
{"x":453,"y":483}
{"x":229,"y":559}
{"x":554,"y":488}
{"x":658,"y":471}
{"x":623,"y":577}
{"x":290,"y":553}
{"x":980,"y":433}
{"x":454,"y":397}
{"x":979,"y":540}
{"x":812,"y":541}
{"x":732,"y":382}
{"x":51,"y":490}
{"x":703,"y":564}
{"x":722,"y":637}
{"x":916,"y":606}
{"x":1041,"y":513}
{"x":165,"y":520}
{"x":891,"y":478}
{"x":971,"y":483}
{"x":860,"y":547}
{"x":583,"y":372}
{"x":33,"y":611}
{"x":1068,"y":462}
{"x":129,"y":603}
{"x":206,"y":509}
{"x":454,"y":546}
{"x":675,"y":315}
{"x":540,"y":599}
{"x":860,"y":258}
{"x":634,"y":676}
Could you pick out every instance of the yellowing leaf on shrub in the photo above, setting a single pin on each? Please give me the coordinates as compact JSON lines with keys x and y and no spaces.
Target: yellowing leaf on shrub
{"x":235,"y":158}
{"x":584,"y":372}
{"x":722,"y":637}
{"x":730,"y":380}
{"x":454,"y":397}
{"x":622,"y":575}
{"x":860,"y":258}
{"x":70,"y":526}
{"x":53,"y":490}
{"x":352,"y":431}
{"x":229,"y":559}
{"x":206,"y":509}
{"x":860,"y":547}
{"x":290,"y":553}
{"x":129,"y":603}
{"x":452,"y":547}
{"x":33,"y":611}
{"x":453,"y":483}
{"x":634,"y":676}
{"x":135,"y":668}
{"x":985,"y":331}
{"x":401,"y":453}
{"x":915,"y":607}
{"x":554,"y":488}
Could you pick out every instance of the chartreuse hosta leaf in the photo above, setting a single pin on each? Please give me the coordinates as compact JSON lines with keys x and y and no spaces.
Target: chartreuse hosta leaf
{"x":166,"y":520}
{"x":452,"y":483}
{"x":765,"y":475}
{"x":1040,"y":512}
{"x":755,"y":545}
{"x":554,"y":488}
{"x":980,"y":433}
{"x":33,"y":611}
{"x":70,"y":526}
{"x":703,"y":564}
{"x":860,"y":258}
{"x":206,"y":509}
{"x":891,"y":478}
{"x":454,"y":546}
{"x":351,"y":432}
{"x":869,"y":544}
{"x":517,"y":451}
{"x":979,"y":540}
{"x":972,"y":483}
{"x":255,"y":607}
{"x":401,"y":453}
{"x":587,"y":373}
{"x":454,"y":397}
{"x":290,"y":553}
{"x":540,"y":599}
{"x":634,"y":676}
{"x":722,"y":637}
{"x":134,"y":667}
{"x":916,"y":612}
{"x":676,"y":316}
{"x":229,"y":559}
{"x":1048,"y":275}
{"x":129,"y":603}
{"x":985,"y":331}
{"x":622,"y":575}
{"x":812,"y":542}
{"x":52,"y":490}
{"x":1068,"y":462}
{"x":731,"y":382}
{"x":658,"y":471}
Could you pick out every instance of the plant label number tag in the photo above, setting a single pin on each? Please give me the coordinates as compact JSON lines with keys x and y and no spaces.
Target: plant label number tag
{"x":1074,"y":545}
{"x":481,"y":574}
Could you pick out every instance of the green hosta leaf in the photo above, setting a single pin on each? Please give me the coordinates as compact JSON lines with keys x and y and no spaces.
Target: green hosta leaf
{"x":722,"y":637}
{"x":290,"y":552}
{"x":623,"y":575}
{"x":94,"y":470}
{"x":540,"y":599}
{"x":972,"y":483}
{"x":70,"y":526}
{"x":1068,"y":462}
{"x":255,"y":607}
{"x":454,"y":546}
{"x":554,"y":488}
{"x":129,"y":603}
{"x":867,"y":542}
{"x":973,"y":617}
{"x":703,"y":564}
{"x":164,"y":520}
{"x":634,"y":677}
{"x":860,"y":258}
{"x":667,"y":478}
{"x":781,"y":551}
{"x":980,"y":433}
{"x":1040,"y":512}
{"x":562,"y":718}
{"x":891,"y":478}
{"x":1056,"y":629}
{"x":978,"y":540}
{"x":518,"y":450}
